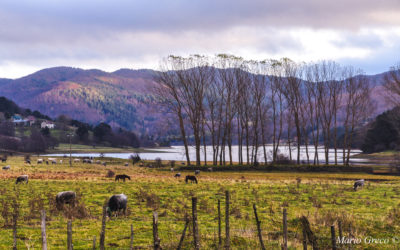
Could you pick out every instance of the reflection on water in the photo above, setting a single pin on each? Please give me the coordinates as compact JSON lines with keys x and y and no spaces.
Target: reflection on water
{"x":177,"y":153}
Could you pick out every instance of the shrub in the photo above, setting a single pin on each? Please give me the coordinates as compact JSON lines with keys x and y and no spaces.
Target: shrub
{"x":110,"y":174}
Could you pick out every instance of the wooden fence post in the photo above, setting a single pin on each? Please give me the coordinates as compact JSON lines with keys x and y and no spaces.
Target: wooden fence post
{"x":227,"y":229}
{"x":15,"y":218}
{"x":131,"y":245}
{"x":69,"y":235}
{"x":219,"y":223}
{"x":183,"y":234}
{"x":43,"y":227}
{"x":258,"y":222}
{"x":103,"y":227}
{"x":304,"y":239}
{"x":333,"y":237}
{"x":285,"y":236}
{"x":196,"y":238}
{"x":94,"y":242}
{"x":310,"y":235}
{"x":156,"y":239}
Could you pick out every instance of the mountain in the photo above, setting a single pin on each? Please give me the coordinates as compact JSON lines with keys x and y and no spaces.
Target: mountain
{"x":123,"y":98}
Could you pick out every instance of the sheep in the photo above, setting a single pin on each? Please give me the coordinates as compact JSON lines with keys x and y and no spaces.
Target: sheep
{"x":22,"y":178}
{"x":177,"y":175}
{"x":7,"y":167}
{"x":39,"y":161}
{"x":172,"y":169}
{"x":77,"y":160}
{"x":116,"y":203}
{"x":209,"y":169}
{"x":126,"y":164}
{"x":358,"y":183}
{"x":65,"y":197}
{"x":197,"y":172}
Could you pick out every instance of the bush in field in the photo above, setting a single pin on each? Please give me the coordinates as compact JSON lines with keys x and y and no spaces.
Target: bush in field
{"x":283,"y":159}
{"x":135,"y":158}
{"x":110,"y":174}
{"x":158,"y":162}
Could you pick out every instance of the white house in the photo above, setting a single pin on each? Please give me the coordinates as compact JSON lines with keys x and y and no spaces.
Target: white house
{"x":47,"y":124}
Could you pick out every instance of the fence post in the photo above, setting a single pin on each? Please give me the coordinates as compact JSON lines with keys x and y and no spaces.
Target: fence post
{"x":94,"y":242}
{"x":310,"y":235}
{"x":195,"y":225}
{"x":333,"y":237}
{"x":131,"y":245}
{"x":227,"y":229}
{"x":156,"y":240}
{"x":15,"y":218}
{"x":219,"y":223}
{"x":183,"y":234}
{"x":285,"y":236}
{"x":43,"y":227}
{"x":103,"y":227}
{"x":258,"y":222}
{"x":304,"y":239}
{"x":69,"y":235}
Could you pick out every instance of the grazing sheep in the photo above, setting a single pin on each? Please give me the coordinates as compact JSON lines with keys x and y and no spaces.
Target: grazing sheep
{"x":65,"y":197}
{"x":122,"y":176}
{"x":22,"y":178}
{"x":126,"y":164}
{"x":141,"y":164}
{"x":358,"y":183}
{"x":177,"y":175}
{"x":39,"y":161}
{"x":7,"y":167}
{"x":209,"y":169}
{"x":104,"y":163}
{"x":116,"y":203}
{"x":172,"y":169}
{"x":54,"y":162}
{"x":3,"y":159}
{"x":77,"y":160}
{"x":197,"y":172}
{"x":60,"y":161}
{"x":191,"y":178}
{"x":98,"y":162}
{"x":182,"y":163}
{"x":28,"y":161}
{"x":47,"y":162}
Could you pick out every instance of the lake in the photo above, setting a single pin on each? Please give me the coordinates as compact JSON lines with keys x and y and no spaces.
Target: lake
{"x":177,"y":153}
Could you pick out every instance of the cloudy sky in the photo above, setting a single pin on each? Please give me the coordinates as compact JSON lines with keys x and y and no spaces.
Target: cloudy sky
{"x":109,"y":35}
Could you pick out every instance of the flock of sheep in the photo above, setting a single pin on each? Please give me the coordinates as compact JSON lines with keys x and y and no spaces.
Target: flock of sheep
{"x":116,"y":202}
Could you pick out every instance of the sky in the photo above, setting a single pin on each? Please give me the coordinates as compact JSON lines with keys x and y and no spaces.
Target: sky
{"x":109,"y":35}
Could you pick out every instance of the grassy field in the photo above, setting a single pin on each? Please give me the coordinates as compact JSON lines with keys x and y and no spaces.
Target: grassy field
{"x":323,"y":198}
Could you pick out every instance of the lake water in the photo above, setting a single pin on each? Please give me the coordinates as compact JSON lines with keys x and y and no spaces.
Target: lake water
{"x":177,"y":153}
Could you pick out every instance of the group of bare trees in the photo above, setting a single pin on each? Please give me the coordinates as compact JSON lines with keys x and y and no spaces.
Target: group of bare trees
{"x":224,"y":101}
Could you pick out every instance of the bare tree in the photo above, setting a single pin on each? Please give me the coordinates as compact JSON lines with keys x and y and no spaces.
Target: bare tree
{"x":357,"y":106}
{"x":169,"y":93}
{"x":292,"y":89}
{"x":392,"y":85}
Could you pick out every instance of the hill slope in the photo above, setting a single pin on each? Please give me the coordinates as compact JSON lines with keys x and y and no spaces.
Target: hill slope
{"x":122,"y":98}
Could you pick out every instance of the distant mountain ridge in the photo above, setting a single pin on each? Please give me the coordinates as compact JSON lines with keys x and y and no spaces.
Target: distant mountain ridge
{"x":123,"y":98}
